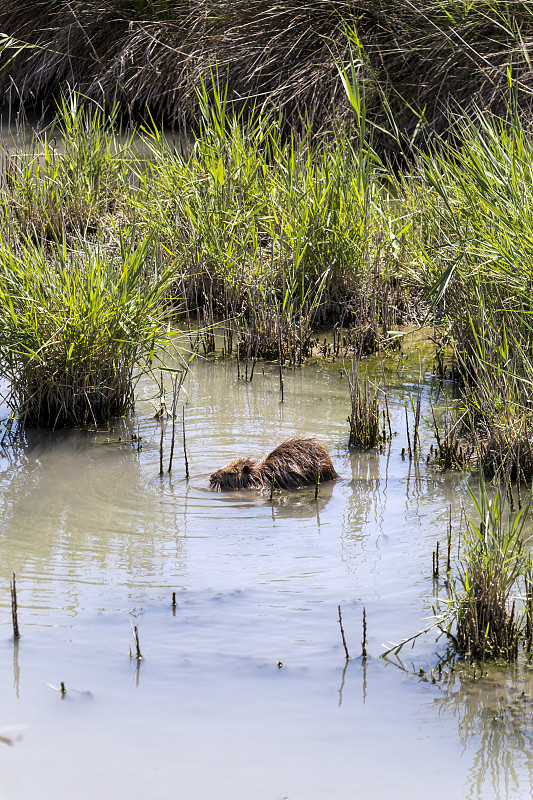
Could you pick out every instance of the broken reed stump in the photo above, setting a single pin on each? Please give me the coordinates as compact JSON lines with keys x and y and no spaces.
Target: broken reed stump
{"x":417,"y":408}
{"x":280,"y":366}
{"x":436,"y":562}
{"x":449,"y":555}
{"x":409,"y":450}
{"x":529,"y":608}
{"x":388,"y":415}
{"x":185,"y":444}
{"x":134,"y":629}
{"x":343,"y":636}
{"x":161,"y":468}
{"x":174,"y":404}
{"x":363,"y":643}
{"x":14,"y":608}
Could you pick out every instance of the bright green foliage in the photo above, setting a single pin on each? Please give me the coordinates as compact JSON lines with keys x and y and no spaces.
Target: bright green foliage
{"x":264,"y":222}
{"x":478,"y":267}
{"x":76,"y":327}
{"x":494,"y":562}
{"x":73,"y":176}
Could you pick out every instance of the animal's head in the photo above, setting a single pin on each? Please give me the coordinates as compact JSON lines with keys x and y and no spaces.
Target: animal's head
{"x":240,"y":474}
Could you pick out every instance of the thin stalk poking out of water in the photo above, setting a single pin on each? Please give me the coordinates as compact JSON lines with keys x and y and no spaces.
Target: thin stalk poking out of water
{"x":14,"y":608}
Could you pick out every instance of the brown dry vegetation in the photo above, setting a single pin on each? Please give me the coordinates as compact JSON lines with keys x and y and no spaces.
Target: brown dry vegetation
{"x":419,"y":58}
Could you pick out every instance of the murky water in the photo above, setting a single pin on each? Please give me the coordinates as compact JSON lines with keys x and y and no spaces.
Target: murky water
{"x":244,"y":691}
{"x":23,"y":132}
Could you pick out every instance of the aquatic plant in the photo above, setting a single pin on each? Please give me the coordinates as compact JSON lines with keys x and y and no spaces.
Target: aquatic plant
{"x":478,"y":259}
{"x":78,"y":326}
{"x":365,"y":416}
{"x":274,"y":234}
{"x":489,"y":619}
{"x":488,"y":611}
{"x":72,"y":176}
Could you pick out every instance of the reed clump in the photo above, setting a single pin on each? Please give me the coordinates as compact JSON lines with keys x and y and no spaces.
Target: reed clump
{"x":368,"y":426}
{"x":477,"y":258}
{"x":78,"y":326}
{"x":152,"y":54}
{"x":275,"y":234}
{"x":73,"y":177}
{"x":490,"y":617}
{"x":488,"y":611}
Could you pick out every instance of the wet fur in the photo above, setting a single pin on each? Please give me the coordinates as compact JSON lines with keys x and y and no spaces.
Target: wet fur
{"x":292,"y":465}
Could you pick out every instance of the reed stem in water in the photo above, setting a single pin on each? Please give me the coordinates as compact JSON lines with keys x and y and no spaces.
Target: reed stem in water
{"x":343,"y":635}
{"x":14,"y":608}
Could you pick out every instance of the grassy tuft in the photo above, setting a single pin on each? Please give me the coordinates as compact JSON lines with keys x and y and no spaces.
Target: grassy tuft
{"x":73,"y":176}
{"x":77,"y":327}
{"x":488,"y":616}
{"x":365,"y":417}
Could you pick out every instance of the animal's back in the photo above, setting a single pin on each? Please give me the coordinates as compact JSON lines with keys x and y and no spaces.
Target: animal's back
{"x":297,"y":463}
{"x":292,"y":465}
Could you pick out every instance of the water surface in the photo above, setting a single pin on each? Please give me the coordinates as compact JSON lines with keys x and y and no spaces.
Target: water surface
{"x":244,"y":690}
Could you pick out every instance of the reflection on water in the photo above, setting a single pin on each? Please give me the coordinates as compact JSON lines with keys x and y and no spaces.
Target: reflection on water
{"x":16,"y":668}
{"x":493,"y":716}
{"x":97,"y":536}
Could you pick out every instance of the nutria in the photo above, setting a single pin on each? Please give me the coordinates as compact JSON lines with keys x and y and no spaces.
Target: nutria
{"x":295,"y":463}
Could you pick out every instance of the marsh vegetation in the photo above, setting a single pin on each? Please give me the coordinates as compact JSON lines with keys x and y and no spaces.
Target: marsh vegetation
{"x":362,"y":214}
{"x":273,"y":237}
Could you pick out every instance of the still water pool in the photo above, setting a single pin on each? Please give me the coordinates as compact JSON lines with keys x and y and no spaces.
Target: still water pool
{"x":244,"y":691}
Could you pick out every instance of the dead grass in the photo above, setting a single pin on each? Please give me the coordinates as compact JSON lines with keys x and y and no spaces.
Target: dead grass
{"x":420,"y":59}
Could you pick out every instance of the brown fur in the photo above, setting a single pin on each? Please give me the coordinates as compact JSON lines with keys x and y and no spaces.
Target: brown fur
{"x":295,"y":463}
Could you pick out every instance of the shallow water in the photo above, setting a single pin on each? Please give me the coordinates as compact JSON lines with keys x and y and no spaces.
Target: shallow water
{"x":21,"y":132}
{"x":243,"y":690}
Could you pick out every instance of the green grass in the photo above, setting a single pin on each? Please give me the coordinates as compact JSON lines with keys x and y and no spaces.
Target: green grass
{"x":78,"y":326}
{"x":365,"y":417}
{"x":273,"y":231}
{"x":487,"y":608}
{"x":473,"y":240}
{"x":73,"y":177}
